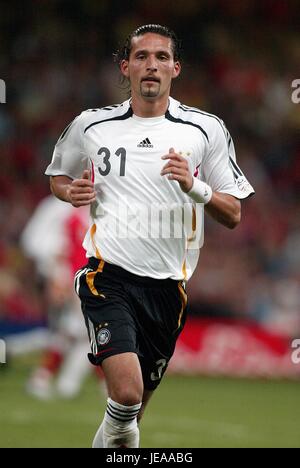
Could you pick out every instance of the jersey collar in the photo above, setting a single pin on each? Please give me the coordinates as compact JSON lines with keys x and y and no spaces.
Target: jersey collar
{"x":152,"y":120}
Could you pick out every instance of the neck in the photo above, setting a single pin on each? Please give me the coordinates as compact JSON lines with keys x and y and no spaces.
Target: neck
{"x":149,"y":108}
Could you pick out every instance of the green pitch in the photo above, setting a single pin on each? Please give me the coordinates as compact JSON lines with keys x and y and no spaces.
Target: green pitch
{"x":185,"y":412}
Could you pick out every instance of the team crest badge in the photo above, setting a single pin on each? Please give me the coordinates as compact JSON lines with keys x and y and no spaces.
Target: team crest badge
{"x":103,"y":336}
{"x":243,"y":184}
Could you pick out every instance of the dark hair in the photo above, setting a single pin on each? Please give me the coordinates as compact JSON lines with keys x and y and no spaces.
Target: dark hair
{"x":124,"y":52}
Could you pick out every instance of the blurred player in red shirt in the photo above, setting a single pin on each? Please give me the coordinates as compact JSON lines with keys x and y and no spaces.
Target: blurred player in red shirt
{"x":55,"y":232}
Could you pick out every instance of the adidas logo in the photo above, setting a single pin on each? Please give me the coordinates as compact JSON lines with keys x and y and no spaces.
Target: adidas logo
{"x":145,"y":144}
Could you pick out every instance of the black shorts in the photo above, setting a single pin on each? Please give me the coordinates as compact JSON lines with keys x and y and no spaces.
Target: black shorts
{"x":128,"y":313}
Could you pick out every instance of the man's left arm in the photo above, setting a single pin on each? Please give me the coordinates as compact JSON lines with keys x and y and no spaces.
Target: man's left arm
{"x":225,"y":209}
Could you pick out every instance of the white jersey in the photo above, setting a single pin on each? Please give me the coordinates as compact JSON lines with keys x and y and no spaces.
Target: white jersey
{"x":44,"y":237}
{"x":142,"y":221}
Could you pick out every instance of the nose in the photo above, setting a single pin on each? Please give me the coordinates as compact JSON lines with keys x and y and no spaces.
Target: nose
{"x":151,"y":63}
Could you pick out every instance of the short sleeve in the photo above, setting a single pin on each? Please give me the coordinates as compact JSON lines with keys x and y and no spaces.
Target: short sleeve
{"x":220,"y":169}
{"x":69,"y":157}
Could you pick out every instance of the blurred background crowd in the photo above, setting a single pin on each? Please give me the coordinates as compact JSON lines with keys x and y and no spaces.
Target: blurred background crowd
{"x":239,"y":61}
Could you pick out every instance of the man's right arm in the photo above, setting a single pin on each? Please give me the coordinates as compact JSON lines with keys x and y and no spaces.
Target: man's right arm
{"x":78,"y":192}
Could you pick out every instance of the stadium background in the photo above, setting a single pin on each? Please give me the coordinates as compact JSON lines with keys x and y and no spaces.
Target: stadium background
{"x":240,"y":59}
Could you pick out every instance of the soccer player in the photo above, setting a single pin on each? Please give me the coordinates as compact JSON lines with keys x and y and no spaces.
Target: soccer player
{"x":134,"y":163}
{"x":60,"y":228}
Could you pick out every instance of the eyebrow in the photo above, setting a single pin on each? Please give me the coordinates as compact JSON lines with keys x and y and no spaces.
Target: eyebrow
{"x":145,"y":51}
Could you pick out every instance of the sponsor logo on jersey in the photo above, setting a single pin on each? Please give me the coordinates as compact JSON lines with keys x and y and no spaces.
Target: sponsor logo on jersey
{"x":145,"y":144}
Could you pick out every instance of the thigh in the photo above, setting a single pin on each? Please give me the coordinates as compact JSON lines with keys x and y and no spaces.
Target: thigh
{"x":162,"y":314}
{"x":107,"y":315}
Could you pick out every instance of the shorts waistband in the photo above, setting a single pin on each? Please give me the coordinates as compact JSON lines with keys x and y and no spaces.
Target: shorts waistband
{"x":115,"y":271}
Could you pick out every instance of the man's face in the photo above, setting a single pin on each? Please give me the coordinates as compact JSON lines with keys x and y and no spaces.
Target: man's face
{"x":151,"y":66}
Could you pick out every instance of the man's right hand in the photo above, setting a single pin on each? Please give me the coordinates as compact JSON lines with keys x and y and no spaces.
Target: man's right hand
{"x":81,"y":192}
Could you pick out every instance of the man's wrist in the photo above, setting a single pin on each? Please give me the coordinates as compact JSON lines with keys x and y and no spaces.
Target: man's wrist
{"x":200,"y":191}
{"x":68,"y":197}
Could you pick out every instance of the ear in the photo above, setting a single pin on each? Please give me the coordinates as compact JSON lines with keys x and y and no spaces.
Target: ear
{"x":177,"y":70}
{"x":124,"y":68}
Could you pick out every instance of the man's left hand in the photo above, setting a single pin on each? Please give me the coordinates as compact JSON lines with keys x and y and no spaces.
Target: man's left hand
{"x":178,"y":169}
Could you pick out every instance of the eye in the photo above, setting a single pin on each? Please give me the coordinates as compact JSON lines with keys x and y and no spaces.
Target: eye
{"x":163,"y":57}
{"x":141,"y":56}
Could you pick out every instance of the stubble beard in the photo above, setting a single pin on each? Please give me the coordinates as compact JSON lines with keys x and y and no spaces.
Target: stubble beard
{"x":150,"y":91}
